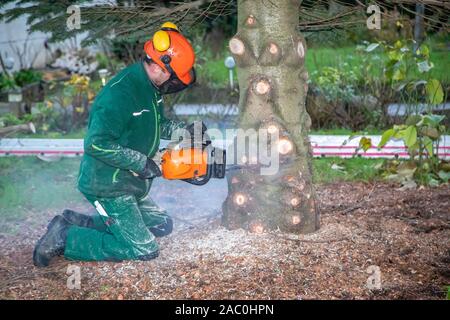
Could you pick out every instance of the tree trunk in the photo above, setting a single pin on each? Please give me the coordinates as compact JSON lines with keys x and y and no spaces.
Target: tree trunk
{"x":270,"y":56}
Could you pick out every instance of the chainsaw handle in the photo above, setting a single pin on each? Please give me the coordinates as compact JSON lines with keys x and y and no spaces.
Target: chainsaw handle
{"x":202,"y":181}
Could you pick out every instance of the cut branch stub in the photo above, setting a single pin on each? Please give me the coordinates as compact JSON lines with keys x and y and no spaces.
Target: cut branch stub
{"x":271,"y":55}
{"x":237,"y":46}
{"x":290,"y":198}
{"x":242,"y":53}
{"x":292,"y":182}
{"x":274,"y":128}
{"x":273,"y":124}
{"x":285,"y":146}
{"x":304,"y":75}
{"x":250,"y":21}
{"x":295,"y":201}
{"x":301,"y":49}
{"x":295,"y":219}
{"x":240,"y":199}
{"x":292,"y":219}
{"x":296,"y":53}
{"x":256,"y":226}
{"x":261,"y":86}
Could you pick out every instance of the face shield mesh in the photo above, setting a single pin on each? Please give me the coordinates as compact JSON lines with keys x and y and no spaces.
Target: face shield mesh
{"x":174,"y":84}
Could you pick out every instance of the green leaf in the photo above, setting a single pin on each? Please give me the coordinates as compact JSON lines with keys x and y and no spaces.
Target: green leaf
{"x":425,"y":66}
{"x":407,"y":169}
{"x":431,"y":132}
{"x":365,"y":143}
{"x":372,"y":47}
{"x":408,"y":184}
{"x":432,"y":182}
{"x":387,"y":135}
{"x":399,"y":127}
{"x":413,"y":119}
{"x":402,"y":85}
{"x":405,"y":174}
{"x":337,"y":167}
{"x":399,"y":74}
{"x":395,"y":55}
{"x":378,"y":166}
{"x":445,"y":166}
{"x":423,"y":51}
{"x":412,"y":85}
{"x":433,"y":120}
{"x":389,"y":69}
{"x":414,"y":149}
{"x":410,"y":136}
{"x":428,"y":144}
{"x":435,"y":93}
{"x":398,"y":44}
{"x":445,"y":176}
{"x":419,"y":82}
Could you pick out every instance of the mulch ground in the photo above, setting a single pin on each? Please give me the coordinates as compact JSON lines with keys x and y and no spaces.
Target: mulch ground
{"x":406,"y":234}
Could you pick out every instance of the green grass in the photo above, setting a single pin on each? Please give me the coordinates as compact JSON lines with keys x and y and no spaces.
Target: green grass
{"x":214,"y":74}
{"x":317,"y":58}
{"x":344,"y":132}
{"x":353,"y":169}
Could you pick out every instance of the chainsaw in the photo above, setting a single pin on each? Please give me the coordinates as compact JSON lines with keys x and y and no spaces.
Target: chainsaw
{"x":193,"y":163}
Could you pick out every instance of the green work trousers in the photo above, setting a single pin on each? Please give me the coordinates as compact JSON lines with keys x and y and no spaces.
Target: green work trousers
{"x":120,"y":232}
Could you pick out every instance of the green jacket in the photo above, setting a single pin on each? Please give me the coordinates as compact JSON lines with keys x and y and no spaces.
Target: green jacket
{"x":126,"y":124}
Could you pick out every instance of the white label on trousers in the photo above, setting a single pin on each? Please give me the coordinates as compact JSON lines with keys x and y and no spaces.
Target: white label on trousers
{"x":100,"y":209}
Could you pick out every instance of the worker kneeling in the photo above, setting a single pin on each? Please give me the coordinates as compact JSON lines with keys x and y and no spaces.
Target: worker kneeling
{"x":125,"y":126}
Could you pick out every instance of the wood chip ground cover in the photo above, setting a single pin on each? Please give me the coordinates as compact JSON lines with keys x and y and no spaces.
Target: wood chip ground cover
{"x":405,"y":233}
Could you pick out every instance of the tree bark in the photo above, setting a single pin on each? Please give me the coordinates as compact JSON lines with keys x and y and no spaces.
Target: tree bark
{"x":270,"y":57}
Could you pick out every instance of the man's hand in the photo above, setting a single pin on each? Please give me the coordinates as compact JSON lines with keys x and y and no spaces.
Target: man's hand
{"x":151,"y":170}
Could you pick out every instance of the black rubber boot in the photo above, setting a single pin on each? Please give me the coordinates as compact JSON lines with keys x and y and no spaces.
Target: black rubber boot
{"x":163,"y":229}
{"x":52,"y":243}
{"x":149,"y":256}
{"x":78,"y":219}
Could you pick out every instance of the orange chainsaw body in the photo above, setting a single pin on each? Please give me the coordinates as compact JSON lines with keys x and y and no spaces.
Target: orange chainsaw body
{"x":182,"y":164}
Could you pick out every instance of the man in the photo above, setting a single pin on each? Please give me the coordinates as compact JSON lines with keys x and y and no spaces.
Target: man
{"x":125,"y":126}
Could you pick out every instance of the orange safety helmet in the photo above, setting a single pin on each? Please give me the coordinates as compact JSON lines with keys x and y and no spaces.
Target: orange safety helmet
{"x":172,"y":51}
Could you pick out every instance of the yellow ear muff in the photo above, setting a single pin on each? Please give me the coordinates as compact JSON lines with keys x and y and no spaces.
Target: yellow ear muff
{"x":161,"y":40}
{"x":169,"y":25}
